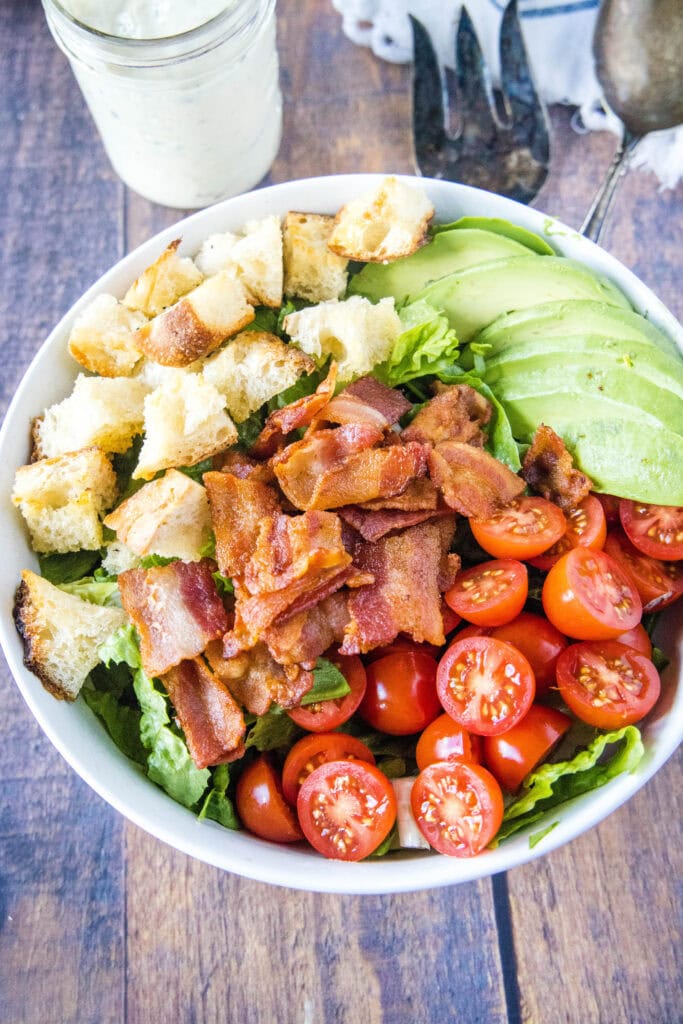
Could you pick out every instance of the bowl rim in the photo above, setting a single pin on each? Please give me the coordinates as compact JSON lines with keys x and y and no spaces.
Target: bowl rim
{"x":83,"y":742}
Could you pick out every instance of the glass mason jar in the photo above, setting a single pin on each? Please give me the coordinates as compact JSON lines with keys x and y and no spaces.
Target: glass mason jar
{"x":186,"y":119}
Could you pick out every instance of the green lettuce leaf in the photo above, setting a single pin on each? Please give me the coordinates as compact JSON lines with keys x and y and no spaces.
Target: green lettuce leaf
{"x":103,"y":591}
{"x":273,"y":730}
{"x":265,"y":319}
{"x":197,"y":471}
{"x":122,"y":647}
{"x":121,"y":721}
{"x":69,"y":567}
{"x":328,"y":683}
{"x":124,"y":465}
{"x":217,"y":805}
{"x":224,"y":584}
{"x":426,"y":344}
{"x":152,"y":561}
{"x":555,"y":784}
{"x":248,"y":430}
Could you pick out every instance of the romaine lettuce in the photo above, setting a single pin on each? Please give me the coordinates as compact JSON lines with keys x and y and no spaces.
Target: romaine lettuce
{"x":426,"y":345}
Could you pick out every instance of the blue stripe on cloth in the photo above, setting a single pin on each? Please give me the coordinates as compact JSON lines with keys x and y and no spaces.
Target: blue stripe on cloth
{"x":547,"y":11}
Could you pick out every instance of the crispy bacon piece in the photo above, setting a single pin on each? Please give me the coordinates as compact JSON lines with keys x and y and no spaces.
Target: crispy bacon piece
{"x":257,"y":681}
{"x":405,"y":596}
{"x":238,"y":507}
{"x":456,"y":413}
{"x":419,"y":496}
{"x":302,"y":638}
{"x":373,"y":525}
{"x":367,"y":401}
{"x":332,"y":468}
{"x":175,"y":609}
{"x":472,"y":482}
{"x":297,"y":414}
{"x":549,"y":470}
{"x":241,"y":465}
{"x":211,"y":720}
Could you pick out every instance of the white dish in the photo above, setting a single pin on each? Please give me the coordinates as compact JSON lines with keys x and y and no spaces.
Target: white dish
{"x":80,"y":737}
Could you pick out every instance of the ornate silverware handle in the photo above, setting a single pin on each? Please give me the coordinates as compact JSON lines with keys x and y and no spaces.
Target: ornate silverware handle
{"x":597,"y":215}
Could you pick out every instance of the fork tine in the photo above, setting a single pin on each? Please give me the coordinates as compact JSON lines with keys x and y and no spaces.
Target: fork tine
{"x":429,"y":137}
{"x":525,"y":108}
{"x":475,"y":92}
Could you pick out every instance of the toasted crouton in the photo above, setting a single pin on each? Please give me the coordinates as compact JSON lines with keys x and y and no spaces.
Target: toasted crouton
{"x":255,"y":258}
{"x":385,"y":224}
{"x":101,"y":411}
{"x":163,"y":283}
{"x":356,"y":333}
{"x":101,"y":339}
{"x":197,"y":324}
{"x":61,"y":499}
{"x":169,"y":516}
{"x":311,"y":271}
{"x":252,"y":368}
{"x":185,"y":422}
{"x":61,"y":634}
{"x":118,"y":558}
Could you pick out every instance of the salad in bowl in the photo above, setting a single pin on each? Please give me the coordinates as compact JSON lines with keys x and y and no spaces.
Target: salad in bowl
{"x":350,"y":534}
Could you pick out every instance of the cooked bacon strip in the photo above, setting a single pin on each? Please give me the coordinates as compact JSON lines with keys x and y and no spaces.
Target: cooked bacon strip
{"x":238,"y":507}
{"x":549,"y":470}
{"x":291,"y":549}
{"x":332,"y":468}
{"x":419,"y":496}
{"x":211,"y":720}
{"x":256,"y":681}
{"x":457,"y":413}
{"x":472,"y":482}
{"x":291,"y":417}
{"x":175,"y":609}
{"x":373,"y":525}
{"x":367,"y":401}
{"x":241,"y":465}
{"x":405,"y":596}
{"x":302,"y":638}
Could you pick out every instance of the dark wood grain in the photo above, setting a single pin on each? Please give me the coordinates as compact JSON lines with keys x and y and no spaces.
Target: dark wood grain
{"x":98,"y":921}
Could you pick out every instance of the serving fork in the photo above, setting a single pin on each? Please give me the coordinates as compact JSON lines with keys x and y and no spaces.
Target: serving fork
{"x":501,"y":142}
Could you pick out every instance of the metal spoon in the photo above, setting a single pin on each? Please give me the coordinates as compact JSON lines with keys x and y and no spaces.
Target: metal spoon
{"x":637,"y":47}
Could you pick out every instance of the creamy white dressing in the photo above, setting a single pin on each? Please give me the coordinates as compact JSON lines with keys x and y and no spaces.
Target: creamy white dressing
{"x":144,"y":19}
{"x":199,"y":125}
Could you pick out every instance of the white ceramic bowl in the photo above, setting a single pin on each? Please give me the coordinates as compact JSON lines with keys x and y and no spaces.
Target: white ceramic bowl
{"x":79,"y":736}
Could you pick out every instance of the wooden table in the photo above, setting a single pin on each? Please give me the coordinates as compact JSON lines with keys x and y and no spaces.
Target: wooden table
{"x":101,"y":923}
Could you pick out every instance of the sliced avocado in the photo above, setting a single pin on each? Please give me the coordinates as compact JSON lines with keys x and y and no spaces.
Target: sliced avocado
{"x":447,"y":253}
{"x":527,"y":413}
{"x":500,"y":227}
{"x":636,"y":358}
{"x":474,"y":298}
{"x":623,"y":459}
{"x":573,"y":317}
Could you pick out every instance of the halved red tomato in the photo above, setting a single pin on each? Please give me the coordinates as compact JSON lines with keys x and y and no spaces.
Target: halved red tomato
{"x":450,"y":619}
{"x":638,"y":639}
{"x":399,"y":645}
{"x":446,"y":740}
{"x":607,"y":684}
{"x":484,"y":684}
{"x":261,"y":805}
{"x":610,"y":506}
{"x":586,"y":528}
{"x":518,"y":751}
{"x":540,"y":643}
{"x":330,"y":714}
{"x":658,"y":583}
{"x":458,"y":807}
{"x":400,"y":696}
{"x":656,"y":530}
{"x":346,"y":809}
{"x":311,"y":751}
{"x":522,"y":529}
{"x":588,"y":596}
{"x":491,"y":593}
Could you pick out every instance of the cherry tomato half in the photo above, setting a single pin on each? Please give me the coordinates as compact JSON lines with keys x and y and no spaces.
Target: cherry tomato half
{"x":519,"y":750}
{"x":484,"y":684}
{"x":490,"y":594}
{"x":610,"y":506}
{"x":346,"y":809}
{"x":656,"y":530}
{"x":446,"y":740}
{"x":311,"y":751}
{"x":522,"y":529}
{"x":586,"y":528}
{"x":607,"y":684}
{"x":658,"y":583}
{"x":401,"y":643}
{"x":261,"y":805}
{"x":638,"y":639}
{"x":458,"y":807}
{"x":329,"y":714}
{"x":400,"y":697}
{"x":587,"y":595}
{"x":450,"y":619}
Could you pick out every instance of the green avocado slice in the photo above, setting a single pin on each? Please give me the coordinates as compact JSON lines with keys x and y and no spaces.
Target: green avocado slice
{"x":570,"y":318}
{"x":498,"y":226}
{"x":623,"y":459}
{"x":527,"y":413}
{"x":474,"y":298}
{"x":632,"y":359}
{"x":448,"y":252}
